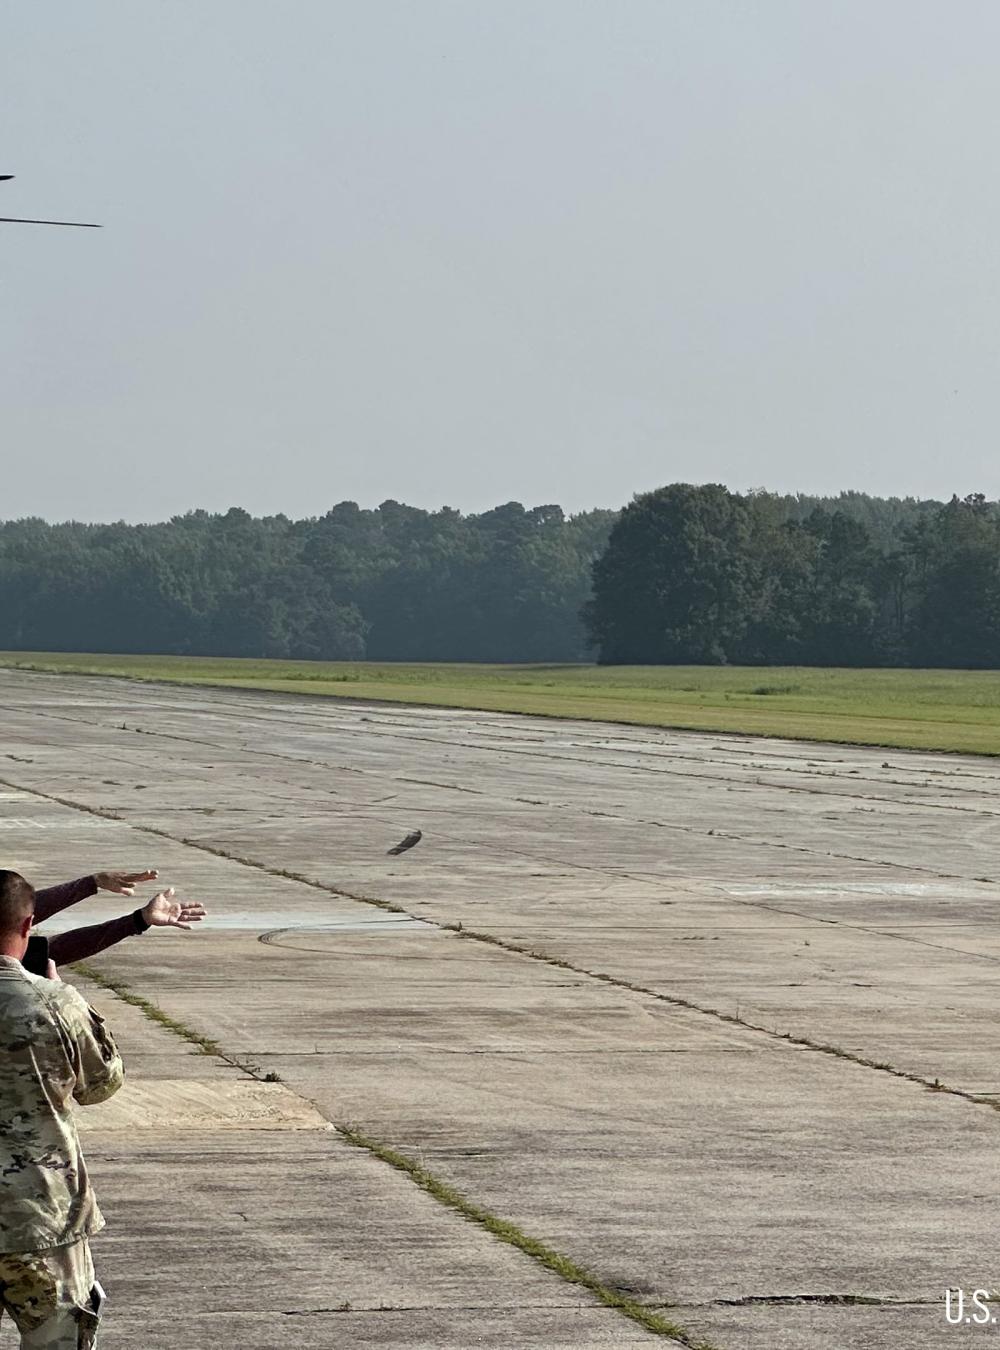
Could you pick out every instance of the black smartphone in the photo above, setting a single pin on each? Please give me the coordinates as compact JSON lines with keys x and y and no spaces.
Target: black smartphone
{"x":36,"y":958}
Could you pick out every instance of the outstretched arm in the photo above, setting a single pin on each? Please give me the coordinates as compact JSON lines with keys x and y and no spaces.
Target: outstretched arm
{"x":79,"y":943}
{"x":163,"y":911}
{"x":54,"y":898}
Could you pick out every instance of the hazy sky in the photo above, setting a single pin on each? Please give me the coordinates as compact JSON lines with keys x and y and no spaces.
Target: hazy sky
{"x":469,"y":251}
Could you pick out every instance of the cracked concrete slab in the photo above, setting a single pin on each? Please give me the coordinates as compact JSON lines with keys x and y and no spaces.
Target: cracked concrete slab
{"x":838,"y":896}
{"x":830,"y":1326}
{"x":237,"y":1216}
{"x":495,"y":1328}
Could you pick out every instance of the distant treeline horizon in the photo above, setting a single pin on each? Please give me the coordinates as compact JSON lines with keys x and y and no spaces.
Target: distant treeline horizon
{"x":684,"y":574}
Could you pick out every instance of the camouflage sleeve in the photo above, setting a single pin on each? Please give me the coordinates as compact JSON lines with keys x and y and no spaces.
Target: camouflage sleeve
{"x":96,"y":1061}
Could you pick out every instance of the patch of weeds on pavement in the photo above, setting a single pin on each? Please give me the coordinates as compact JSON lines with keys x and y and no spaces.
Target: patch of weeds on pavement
{"x":506,"y":1231}
{"x":205,"y":1044}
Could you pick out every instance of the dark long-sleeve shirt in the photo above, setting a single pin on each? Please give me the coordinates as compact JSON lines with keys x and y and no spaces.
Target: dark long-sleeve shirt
{"x":54,"y":898}
{"x":79,"y":943}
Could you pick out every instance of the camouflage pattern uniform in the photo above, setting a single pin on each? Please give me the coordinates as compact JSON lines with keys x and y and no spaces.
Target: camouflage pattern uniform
{"x":53,"y":1048}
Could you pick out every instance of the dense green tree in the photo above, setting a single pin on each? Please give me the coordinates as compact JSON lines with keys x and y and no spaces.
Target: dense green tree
{"x":841,"y":602}
{"x":674,"y":582}
{"x":955,"y":561}
{"x":782,"y":567}
{"x":694,"y":574}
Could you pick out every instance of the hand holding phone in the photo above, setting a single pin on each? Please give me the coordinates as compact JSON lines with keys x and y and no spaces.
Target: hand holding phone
{"x":36,"y":957}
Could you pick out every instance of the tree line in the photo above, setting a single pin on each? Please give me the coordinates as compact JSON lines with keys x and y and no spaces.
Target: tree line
{"x":684,"y":574}
{"x":392,"y":584}
{"x":701,"y":575}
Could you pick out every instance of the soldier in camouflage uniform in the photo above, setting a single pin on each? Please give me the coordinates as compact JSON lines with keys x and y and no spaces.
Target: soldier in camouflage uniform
{"x":53,"y":1049}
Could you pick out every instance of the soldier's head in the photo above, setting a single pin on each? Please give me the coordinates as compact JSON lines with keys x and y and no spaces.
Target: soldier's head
{"x":17,"y":911}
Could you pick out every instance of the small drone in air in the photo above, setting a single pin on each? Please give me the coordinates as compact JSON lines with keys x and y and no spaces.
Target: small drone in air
{"x":20,"y":220}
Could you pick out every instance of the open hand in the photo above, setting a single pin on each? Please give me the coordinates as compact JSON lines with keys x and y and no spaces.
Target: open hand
{"x":164,"y":911}
{"x":123,"y":883}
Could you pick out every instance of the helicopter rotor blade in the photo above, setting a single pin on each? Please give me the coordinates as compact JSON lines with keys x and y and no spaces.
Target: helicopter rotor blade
{"x":77,"y":224}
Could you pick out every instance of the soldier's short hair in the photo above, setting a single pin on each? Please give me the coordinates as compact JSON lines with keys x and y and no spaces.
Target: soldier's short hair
{"x":17,"y":901}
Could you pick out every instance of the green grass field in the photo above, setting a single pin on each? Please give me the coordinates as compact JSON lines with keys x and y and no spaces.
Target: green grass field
{"x":908,"y":709}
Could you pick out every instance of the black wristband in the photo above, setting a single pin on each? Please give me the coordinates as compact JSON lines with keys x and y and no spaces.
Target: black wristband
{"x":141,"y":924}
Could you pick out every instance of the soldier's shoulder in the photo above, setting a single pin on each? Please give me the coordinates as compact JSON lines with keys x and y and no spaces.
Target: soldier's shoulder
{"x":61,"y":998}
{"x":31,"y":1006}
{"x":80,"y":1019}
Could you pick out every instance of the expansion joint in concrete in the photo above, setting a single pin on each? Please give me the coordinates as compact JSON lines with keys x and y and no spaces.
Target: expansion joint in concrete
{"x":672,"y":1000}
{"x":732,"y":1019}
{"x":827,"y":1300}
{"x":439,"y":1190}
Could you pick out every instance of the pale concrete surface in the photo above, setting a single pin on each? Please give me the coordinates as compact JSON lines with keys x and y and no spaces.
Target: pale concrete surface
{"x":845,"y":896}
{"x":238,"y":1217}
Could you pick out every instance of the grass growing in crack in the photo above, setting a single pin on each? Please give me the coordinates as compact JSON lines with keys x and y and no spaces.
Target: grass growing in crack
{"x":439,"y":1190}
{"x":216,"y":852}
{"x":736,"y":1019}
{"x":506,"y":1231}
{"x":804,"y":1042}
{"x":205,"y":1044}
{"x":258,"y":866}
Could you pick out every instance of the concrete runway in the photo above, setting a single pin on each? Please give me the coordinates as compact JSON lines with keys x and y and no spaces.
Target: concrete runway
{"x":715,"y":1018}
